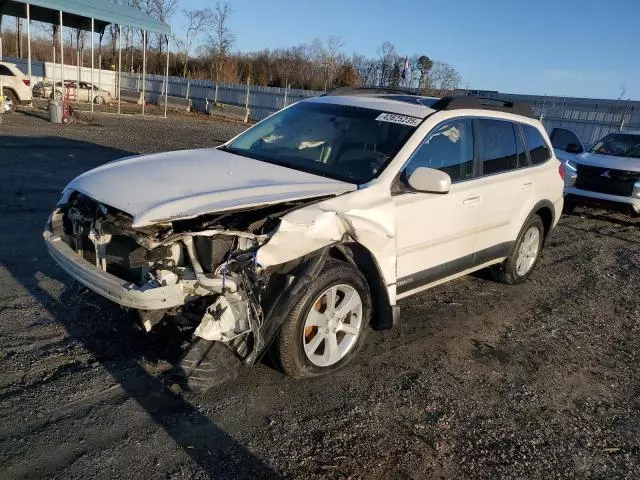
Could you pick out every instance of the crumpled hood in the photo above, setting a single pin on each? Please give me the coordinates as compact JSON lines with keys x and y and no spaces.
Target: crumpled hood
{"x":609,"y":161}
{"x":188,"y":183}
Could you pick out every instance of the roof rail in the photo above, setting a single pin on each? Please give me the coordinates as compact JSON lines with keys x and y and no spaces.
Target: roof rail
{"x":457,"y":103}
{"x":350,"y":91}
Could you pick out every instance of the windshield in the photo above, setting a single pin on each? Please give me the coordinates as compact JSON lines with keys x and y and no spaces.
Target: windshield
{"x":618,"y":144}
{"x":342,"y":142}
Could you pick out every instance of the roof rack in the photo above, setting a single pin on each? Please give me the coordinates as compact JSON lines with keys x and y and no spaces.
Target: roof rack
{"x":460,"y":102}
{"x":349,"y":91}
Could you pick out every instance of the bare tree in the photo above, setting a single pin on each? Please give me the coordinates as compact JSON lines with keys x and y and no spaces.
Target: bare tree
{"x":222,"y":39}
{"x":198,"y":20}
{"x":388,"y":59}
{"x":332,"y":60}
{"x":164,"y":10}
{"x":443,"y":76}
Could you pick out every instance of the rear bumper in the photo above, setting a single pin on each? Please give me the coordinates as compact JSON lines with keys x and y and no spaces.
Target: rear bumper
{"x":109,"y":286}
{"x":605,"y":200}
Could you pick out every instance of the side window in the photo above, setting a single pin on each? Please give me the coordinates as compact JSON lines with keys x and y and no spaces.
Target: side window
{"x":497,"y":148}
{"x":4,"y":70}
{"x":448,"y":148}
{"x":538,"y":148}
{"x":561,"y":138}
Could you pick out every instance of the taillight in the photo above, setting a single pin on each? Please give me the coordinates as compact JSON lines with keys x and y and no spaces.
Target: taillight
{"x":27,"y":82}
{"x":561,"y":170}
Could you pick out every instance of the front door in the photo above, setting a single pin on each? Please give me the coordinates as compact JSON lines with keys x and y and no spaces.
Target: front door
{"x":435,"y":232}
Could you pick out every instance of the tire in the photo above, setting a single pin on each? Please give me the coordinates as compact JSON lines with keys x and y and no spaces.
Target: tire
{"x":99,"y":100}
{"x":299,"y":356}
{"x":11,"y":96}
{"x":511,"y":272}
{"x":57,"y":95}
{"x":205,"y":365}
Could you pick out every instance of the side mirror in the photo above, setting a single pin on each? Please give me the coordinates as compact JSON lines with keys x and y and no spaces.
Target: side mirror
{"x":573,"y":148}
{"x":429,"y":180}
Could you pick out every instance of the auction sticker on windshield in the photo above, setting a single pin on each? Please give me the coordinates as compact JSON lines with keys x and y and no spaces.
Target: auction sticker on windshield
{"x":401,"y":119}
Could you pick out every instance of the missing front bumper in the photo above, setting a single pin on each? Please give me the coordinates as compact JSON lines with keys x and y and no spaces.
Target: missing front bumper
{"x":109,"y":286}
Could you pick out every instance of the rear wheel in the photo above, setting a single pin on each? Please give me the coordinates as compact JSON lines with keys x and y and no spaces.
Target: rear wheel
{"x":329,"y":324}
{"x":518,"y":267}
{"x":99,"y":100}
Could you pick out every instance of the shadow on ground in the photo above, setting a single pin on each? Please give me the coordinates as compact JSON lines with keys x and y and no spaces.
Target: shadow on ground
{"x":111,"y":338}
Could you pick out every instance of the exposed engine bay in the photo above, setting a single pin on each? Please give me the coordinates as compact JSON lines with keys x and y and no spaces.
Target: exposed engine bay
{"x":213,"y":257}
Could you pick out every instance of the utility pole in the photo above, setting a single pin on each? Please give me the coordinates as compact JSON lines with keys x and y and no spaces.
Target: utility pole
{"x":19,"y":37}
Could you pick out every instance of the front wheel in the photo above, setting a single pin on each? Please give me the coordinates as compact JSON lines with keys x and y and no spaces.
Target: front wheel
{"x":525,"y":254}
{"x":328,"y":325}
{"x":99,"y":100}
{"x":13,"y":99}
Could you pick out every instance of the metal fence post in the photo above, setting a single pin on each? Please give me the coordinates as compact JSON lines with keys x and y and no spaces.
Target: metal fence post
{"x":188,"y":85}
{"x":286,"y":88}
{"x":246,"y":103}
{"x":215,"y":95}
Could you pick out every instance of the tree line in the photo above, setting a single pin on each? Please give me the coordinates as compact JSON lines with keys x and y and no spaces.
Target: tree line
{"x":203,"y":48}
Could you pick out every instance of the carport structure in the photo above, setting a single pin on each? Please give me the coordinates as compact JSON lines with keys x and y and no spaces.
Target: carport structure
{"x":92,"y":16}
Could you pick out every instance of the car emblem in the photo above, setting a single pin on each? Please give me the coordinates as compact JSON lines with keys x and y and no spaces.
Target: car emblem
{"x":605,"y":174}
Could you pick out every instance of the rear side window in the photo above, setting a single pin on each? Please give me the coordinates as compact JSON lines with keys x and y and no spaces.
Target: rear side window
{"x":448,"y":148}
{"x":538,"y":148}
{"x":497,"y":147}
{"x":4,"y":70}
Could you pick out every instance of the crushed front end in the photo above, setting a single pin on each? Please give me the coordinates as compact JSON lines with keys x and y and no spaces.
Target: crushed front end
{"x":202,"y":270}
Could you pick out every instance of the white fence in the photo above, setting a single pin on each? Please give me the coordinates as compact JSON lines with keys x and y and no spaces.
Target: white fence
{"x":262,"y":101}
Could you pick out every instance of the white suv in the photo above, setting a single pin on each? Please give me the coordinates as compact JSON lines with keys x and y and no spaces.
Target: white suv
{"x":306,"y":229}
{"x":15,"y":85}
{"x":606,"y":175}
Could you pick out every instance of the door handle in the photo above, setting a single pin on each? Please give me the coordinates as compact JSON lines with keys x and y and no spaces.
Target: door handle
{"x":471,"y":200}
{"x":527,"y":186}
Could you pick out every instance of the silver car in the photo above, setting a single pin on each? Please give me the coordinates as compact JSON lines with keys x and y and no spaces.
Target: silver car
{"x":78,"y":92}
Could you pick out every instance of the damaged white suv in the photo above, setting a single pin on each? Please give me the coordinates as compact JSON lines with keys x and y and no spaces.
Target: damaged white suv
{"x":304,"y":231}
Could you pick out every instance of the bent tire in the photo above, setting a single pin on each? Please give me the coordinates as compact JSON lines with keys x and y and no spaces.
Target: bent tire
{"x":524,"y":256}
{"x":205,"y":365}
{"x":328,"y":325}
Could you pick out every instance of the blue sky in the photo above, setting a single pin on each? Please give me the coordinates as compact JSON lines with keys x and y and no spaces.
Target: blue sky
{"x":585,"y":48}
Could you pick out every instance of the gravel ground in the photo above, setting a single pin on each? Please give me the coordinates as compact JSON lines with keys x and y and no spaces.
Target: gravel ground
{"x":481,"y":381}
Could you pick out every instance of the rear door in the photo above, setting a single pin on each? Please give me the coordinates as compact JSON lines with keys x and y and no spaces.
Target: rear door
{"x":505,"y":185}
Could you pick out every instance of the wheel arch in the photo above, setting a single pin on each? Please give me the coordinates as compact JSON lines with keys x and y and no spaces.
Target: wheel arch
{"x":361,"y":258}
{"x":12,"y":90}
{"x":545,"y":210}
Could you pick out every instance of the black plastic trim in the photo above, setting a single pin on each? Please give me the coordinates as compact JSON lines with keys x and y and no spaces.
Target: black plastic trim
{"x":433,"y":274}
{"x":462,"y":102}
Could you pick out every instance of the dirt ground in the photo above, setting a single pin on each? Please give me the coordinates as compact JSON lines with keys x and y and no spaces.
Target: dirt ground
{"x":482,"y":380}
